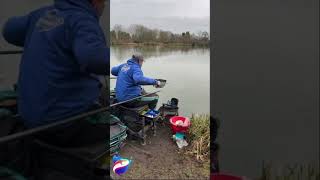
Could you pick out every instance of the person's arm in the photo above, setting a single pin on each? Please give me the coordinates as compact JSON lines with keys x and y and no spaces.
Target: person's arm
{"x":15,"y":30}
{"x":89,"y":46}
{"x":115,"y":70}
{"x":142,"y":80}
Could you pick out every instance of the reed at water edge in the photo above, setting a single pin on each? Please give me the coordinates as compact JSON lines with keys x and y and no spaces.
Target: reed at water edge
{"x":296,"y":171}
{"x":199,"y":137}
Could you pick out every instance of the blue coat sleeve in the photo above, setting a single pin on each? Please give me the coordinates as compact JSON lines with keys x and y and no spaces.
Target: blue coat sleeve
{"x":89,"y":46}
{"x":140,"y":79}
{"x":15,"y":30}
{"x":115,"y":70}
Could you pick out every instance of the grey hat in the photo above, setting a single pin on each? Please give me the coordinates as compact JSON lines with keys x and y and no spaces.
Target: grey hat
{"x":137,"y":56}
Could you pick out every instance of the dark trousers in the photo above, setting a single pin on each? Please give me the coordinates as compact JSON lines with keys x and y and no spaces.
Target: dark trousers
{"x":150,"y":100}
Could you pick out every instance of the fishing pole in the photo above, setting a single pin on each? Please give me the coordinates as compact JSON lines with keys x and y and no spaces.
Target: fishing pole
{"x":11,"y":52}
{"x":144,"y":85}
{"x":66,"y":121}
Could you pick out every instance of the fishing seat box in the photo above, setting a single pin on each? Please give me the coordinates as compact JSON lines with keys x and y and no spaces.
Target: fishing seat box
{"x":132,"y":116}
{"x":117,"y":134}
{"x":113,"y":98}
{"x":137,"y":122}
{"x":15,"y":155}
{"x":8,"y":121}
{"x":10,"y":174}
{"x":8,"y":100}
{"x":80,"y":163}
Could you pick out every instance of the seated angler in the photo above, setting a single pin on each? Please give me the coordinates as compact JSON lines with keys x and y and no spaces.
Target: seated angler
{"x":65,"y":54}
{"x":129,"y":80}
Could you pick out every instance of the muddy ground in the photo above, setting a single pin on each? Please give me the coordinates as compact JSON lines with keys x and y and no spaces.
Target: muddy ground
{"x":160,"y":159}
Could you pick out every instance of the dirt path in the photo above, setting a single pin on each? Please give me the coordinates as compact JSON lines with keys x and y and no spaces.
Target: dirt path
{"x":160,"y":159}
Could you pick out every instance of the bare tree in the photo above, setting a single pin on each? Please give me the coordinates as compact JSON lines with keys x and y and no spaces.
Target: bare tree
{"x":117,"y":28}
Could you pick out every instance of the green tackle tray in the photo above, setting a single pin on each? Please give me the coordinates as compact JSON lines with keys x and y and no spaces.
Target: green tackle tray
{"x":7,"y":94}
{"x":117,"y":133}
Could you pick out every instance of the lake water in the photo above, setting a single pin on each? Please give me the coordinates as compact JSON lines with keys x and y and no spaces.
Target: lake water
{"x":187,"y":71}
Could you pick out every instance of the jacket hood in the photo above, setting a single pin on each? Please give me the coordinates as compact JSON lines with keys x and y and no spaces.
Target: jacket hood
{"x":133,"y":61}
{"x":83,"y":5}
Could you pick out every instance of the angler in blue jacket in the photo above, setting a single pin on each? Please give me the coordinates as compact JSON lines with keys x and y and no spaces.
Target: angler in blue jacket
{"x":65,"y":54}
{"x":129,"y":80}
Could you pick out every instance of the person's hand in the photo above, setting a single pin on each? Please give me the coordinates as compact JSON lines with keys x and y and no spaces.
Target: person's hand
{"x":158,"y":83}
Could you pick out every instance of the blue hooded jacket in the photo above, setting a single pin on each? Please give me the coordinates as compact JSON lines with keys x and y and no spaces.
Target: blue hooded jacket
{"x":129,"y":80}
{"x":64,"y":52}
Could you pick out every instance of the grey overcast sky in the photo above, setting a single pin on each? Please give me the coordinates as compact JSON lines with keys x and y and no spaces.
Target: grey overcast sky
{"x":173,"y":15}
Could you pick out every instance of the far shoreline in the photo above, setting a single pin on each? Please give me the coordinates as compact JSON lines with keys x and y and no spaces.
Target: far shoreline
{"x":205,"y":45}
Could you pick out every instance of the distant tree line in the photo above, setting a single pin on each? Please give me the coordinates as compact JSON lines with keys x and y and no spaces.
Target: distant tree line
{"x":142,"y":34}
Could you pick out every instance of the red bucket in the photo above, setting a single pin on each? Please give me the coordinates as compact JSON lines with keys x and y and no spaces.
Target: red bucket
{"x":179,"y":124}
